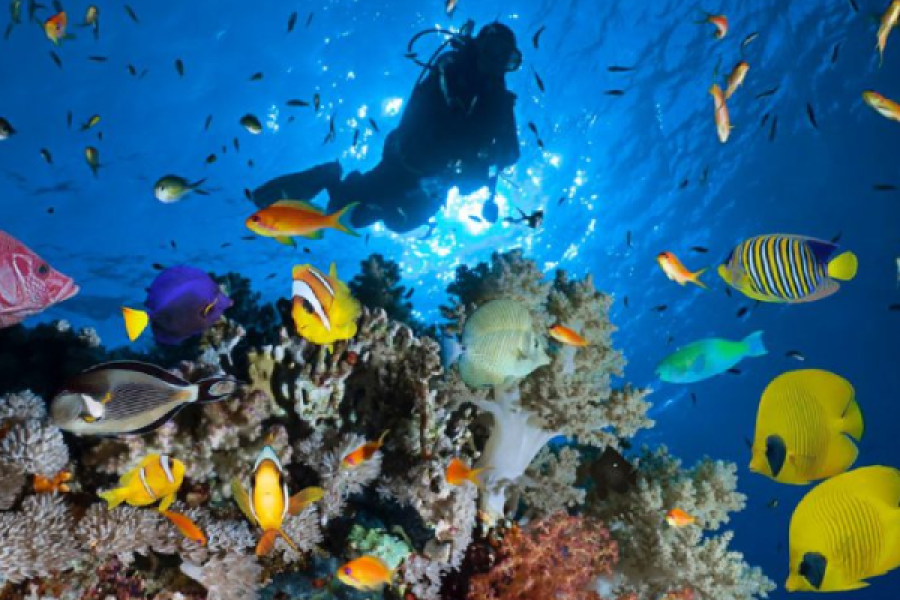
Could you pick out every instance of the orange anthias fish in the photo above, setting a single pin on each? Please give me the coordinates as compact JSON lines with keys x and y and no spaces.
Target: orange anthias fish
{"x":677,"y":518}
{"x":458,"y":473}
{"x":676,"y":271}
{"x":885,"y":107}
{"x":366,"y":573}
{"x":565,"y":335}
{"x":287,"y":219}
{"x":188,"y":528}
{"x":723,"y":122}
{"x":888,"y":21}
{"x":55,"y":27}
{"x":363,"y":453}
{"x":720,"y":21}
{"x":736,"y":79}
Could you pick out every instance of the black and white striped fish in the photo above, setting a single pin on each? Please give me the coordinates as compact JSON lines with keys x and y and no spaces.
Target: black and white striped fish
{"x":787,"y":268}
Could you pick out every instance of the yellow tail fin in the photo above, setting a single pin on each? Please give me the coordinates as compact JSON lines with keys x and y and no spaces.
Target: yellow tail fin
{"x":304,"y":498}
{"x":695,"y":278}
{"x":136,"y":322}
{"x":338,"y":219}
{"x":113,"y":497}
{"x":843,"y":267}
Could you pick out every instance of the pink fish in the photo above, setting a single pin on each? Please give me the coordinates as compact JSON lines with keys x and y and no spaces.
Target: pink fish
{"x":28,"y":285}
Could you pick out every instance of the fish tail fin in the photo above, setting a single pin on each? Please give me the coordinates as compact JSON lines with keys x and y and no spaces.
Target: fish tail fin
{"x":843,"y":266}
{"x":473,"y":477}
{"x":695,"y":278}
{"x":382,"y":436}
{"x":754,"y":343}
{"x":197,"y":184}
{"x":853,"y":420}
{"x":136,"y":322}
{"x":215,"y":389}
{"x":113,"y":497}
{"x":339,"y":220}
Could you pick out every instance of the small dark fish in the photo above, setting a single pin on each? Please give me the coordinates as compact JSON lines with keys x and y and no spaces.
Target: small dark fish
{"x":734,"y":371}
{"x":811,"y":115}
{"x":248,"y":238}
{"x":51,"y":210}
{"x":309,"y":19}
{"x":894,"y":307}
{"x":159,"y":267}
{"x":670,"y":339}
{"x":248,"y":194}
{"x":614,"y":92}
{"x":131,"y":14}
{"x":409,"y":294}
{"x":297,"y":103}
{"x":742,"y":311}
{"x":837,"y":238}
{"x":835,"y":52}
{"x":368,"y":235}
{"x":625,"y":301}
{"x":767,"y":93}
{"x":699,"y":249}
{"x":98,"y":59}
{"x":661,"y":308}
{"x":179,"y":67}
{"x":762,"y":122}
{"x":884,"y":187}
{"x":271,"y":275}
{"x":45,"y":154}
{"x":683,"y":184}
{"x":693,"y":399}
{"x":355,"y":137}
{"x":225,"y":245}
{"x":173,"y":244}
{"x":410,"y":55}
{"x":705,"y":176}
{"x":619,"y":69}
{"x":374,"y":125}
{"x":728,"y":292}
{"x":256,"y":77}
{"x":317,"y":102}
{"x":237,"y":144}
{"x":773,"y":129}
{"x":332,"y":134}
{"x":306,"y":250}
{"x":224,"y":149}
{"x":250,"y":163}
{"x":533,"y":127}
{"x":854,"y":6}
{"x":292,"y":20}
{"x":290,"y":119}
{"x":561,"y":200}
{"x":208,"y":122}
{"x":611,"y":473}
{"x":211,"y":159}
{"x":749,"y":40}
{"x":773,"y":503}
{"x":476,"y":218}
{"x":795,"y":354}
{"x":540,"y":143}
{"x":56,"y":59}
{"x":536,"y":40}
{"x":628,"y":238}
{"x":131,"y":70}
{"x":538,"y":81}
{"x":69,"y":119}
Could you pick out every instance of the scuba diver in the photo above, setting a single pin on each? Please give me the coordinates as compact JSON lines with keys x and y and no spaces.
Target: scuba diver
{"x":458,"y":129}
{"x":534,"y":220}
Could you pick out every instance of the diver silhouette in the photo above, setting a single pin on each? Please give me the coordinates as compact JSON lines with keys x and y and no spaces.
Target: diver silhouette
{"x":458,"y":129}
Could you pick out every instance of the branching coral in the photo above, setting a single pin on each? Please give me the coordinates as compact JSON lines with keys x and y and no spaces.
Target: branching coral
{"x":377,"y":285}
{"x":231,"y":577}
{"x":548,"y":485}
{"x":36,"y":446}
{"x":555,"y":557}
{"x":655,"y":559}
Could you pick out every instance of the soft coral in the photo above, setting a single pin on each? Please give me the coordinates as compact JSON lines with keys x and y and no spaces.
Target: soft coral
{"x":557,"y":557}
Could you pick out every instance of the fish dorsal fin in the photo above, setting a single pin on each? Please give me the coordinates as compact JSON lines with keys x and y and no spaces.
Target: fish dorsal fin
{"x":304,"y":498}
{"x":243,"y":500}
{"x":140,"y":367}
{"x":822,"y":250}
{"x":299,"y":205}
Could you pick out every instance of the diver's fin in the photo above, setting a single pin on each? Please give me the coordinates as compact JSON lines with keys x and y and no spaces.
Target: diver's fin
{"x":299,"y":205}
{"x":242,"y":499}
{"x":287,"y":241}
{"x":136,"y":322}
{"x":304,"y":498}
{"x":843,"y":267}
{"x":695,"y":278}
{"x":754,"y":343}
{"x":266,"y":542}
{"x":340,"y":219}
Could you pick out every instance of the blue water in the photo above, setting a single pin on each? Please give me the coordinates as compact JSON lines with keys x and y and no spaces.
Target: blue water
{"x":618,"y":161}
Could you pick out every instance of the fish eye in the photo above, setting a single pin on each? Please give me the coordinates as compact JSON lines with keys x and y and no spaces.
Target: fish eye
{"x":254,"y":219}
{"x":347,"y":570}
{"x":307,"y":306}
{"x":43,"y":270}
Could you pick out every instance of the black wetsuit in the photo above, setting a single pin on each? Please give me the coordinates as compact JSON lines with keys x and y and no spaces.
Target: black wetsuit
{"x":465,"y":142}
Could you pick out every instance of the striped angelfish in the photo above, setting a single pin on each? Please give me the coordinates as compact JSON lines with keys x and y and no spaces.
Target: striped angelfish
{"x":787,"y":268}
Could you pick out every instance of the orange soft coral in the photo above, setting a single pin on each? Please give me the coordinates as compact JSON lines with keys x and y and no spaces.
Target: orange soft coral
{"x":555,"y":557}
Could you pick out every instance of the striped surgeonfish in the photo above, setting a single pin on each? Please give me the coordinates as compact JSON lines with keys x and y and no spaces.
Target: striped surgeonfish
{"x":129,"y":397}
{"x":323,"y":309}
{"x":787,"y":268}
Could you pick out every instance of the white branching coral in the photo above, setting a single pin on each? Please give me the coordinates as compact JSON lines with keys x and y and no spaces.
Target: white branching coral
{"x":37,"y":539}
{"x":229,"y":577}
{"x":23,"y":406}
{"x":12,"y":478}
{"x":304,"y":531}
{"x":655,"y":559}
{"x":548,"y":485}
{"x":37,"y":447}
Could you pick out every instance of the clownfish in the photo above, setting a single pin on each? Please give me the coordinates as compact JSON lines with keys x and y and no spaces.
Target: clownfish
{"x":266,"y":503}
{"x":323,"y":310}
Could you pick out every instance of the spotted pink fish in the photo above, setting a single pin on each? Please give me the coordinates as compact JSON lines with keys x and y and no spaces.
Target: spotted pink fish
{"x":28,"y":285}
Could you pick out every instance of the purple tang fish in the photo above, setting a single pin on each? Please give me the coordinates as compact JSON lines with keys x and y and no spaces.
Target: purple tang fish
{"x":181,"y":302}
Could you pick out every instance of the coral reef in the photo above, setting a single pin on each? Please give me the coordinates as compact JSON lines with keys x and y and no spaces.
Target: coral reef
{"x":314,"y":407}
